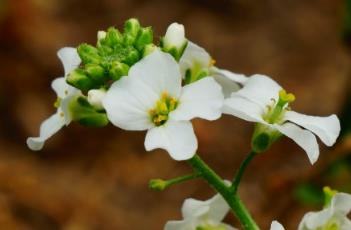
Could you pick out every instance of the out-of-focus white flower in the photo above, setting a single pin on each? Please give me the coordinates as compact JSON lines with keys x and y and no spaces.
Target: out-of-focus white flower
{"x":263,"y":101}
{"x":152,"y":98}
{"x":333,"y":217}
{"x":65,"y":93}
{"x":202,"y":215}
{"x":196,"y":63}
{"x":95,"y":97}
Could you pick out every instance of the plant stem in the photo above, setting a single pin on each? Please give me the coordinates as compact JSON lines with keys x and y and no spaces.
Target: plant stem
{"x":240,"y":172}
{"x":217,"y":183}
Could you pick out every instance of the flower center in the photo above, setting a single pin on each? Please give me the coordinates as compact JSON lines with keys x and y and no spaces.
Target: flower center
{"x":165,"y":105}
{"x":332,"y":224}
{"x":275,"y":113}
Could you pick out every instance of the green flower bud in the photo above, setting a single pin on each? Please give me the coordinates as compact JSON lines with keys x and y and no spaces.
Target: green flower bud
{"x":328,"y":195}
{"x":118,"y":70}
{"x":145,"y":37}
{"x":131,"y":30}
{"x":88,"y":54}
{"x":80,"y":80}
{"x":131,"y":56}
{"x":158,"y":184}
{"x":263,"y":137}
{"x":113,"y":37}
{"x":148,"y":49}
{"x":95,"y":72}
{"x":85,"y":114}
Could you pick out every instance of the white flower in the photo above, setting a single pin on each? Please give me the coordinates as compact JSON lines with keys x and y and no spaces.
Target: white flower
{"x":152,"y":98}
{"x":95,"y":97}
{"x":204,"y":215}
{"x":64,"y":92}
{"x":276,"y":226}
{"x":195,"y":62}
{"x":333,"y":217}
{"x":175,"y":36}
{"x":263,"y":101}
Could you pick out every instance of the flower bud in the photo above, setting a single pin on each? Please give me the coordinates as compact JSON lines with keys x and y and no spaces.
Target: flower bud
{"x":82,"y":112}
{"x":175,"y":36}
{"x":131,"y":30}
{"x":80,"y":80}
{"x":95,"y":97}
{"x":95,"y":72}
{"x":113,"y":37}
{"x":145,"y":37}
{"x":131,"y":56}
{"x":101,"y":35}
{"x":88,"y":54}
{"x":118,"y":70}
{"x":158,"y":184}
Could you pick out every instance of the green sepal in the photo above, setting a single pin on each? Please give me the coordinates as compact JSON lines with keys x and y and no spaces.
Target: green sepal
{"x":131,"y":30}
{"x":113,"y":37}
{"x":118,"y":70}
{"x":177,"y":53}
{"x":95,"y":72}
{"x":263,"y":137}
{"x":85,"y":114}
{"x":144,"y":38}
{"x":88,"y":54}
{"x":80,"y":80}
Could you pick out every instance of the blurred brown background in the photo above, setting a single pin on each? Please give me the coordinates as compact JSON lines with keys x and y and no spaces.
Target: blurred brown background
{"x":97,"y":178}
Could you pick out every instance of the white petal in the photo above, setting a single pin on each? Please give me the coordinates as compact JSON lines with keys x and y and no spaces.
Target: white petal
{"x":341,"y":203}
{"x":276,"y":226}
{"x":228,"y":86}
{"x":48,"y":128}
{"x":235,"y":77}
{"x":203,"y":99}
{"x":128,"y":102}
{"x":326,"y":128}
{"x":243,"y":108}
{"x":218,"y":208}
{"x":62,"y":89}
{"x":194,"y":56}
{"x":193,"y":208}
{"x":346,"y":225}
{"x":160,"y":72}
{"x":176,"y":137}
{"x":304,"y":138}
{"x":69,"y":58}
{"x":260,"y":89}
{"x":313,"y":220}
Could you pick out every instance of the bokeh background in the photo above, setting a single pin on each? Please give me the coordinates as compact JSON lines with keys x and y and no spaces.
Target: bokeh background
{"x":98,"y":178}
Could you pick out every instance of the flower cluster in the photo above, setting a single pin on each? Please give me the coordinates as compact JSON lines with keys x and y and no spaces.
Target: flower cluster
{"x":127,"y":80}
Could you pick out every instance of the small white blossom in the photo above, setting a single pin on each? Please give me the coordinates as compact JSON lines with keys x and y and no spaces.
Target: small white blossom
{"x":333,"y":217}
{"x":175,"y":36}
{"x":70,"y":60}
{"x":205,"y":215}
{"x":196,"y":61}
{"x":263,"y":101}
{"x":152,"y":98}
{"x":95,"y":97}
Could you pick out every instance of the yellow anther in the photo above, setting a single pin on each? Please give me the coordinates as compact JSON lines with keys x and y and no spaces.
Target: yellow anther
{"x":165,"y":105}
{"x":212,"y":62}
{"x":57,"y":103}
{"x":286,"y":97}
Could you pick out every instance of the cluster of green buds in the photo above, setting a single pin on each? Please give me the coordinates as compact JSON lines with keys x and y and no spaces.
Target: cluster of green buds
{"x":112,"y":56}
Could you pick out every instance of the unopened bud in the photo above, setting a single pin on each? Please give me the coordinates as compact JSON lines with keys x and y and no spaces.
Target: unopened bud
{"x":101,"y":35}
{"x":148,"y":49}
{"x":94,"y":71}
{"x":113,"y":37}
{"x":88,"y":54}
{"x":175,"y":36}
{"x":95,"y":97}
{"x":145,"y":37}
{"x":131,"y":30}
{"x":118,"y":70}
{"x":80,"y":80}
{"x":158,"y":184}
{"x":131,"y":56}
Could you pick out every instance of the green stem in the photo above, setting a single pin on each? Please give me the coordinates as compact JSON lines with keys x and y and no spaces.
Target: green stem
{"x":240,"y":172}
{"x":217,"y":183}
